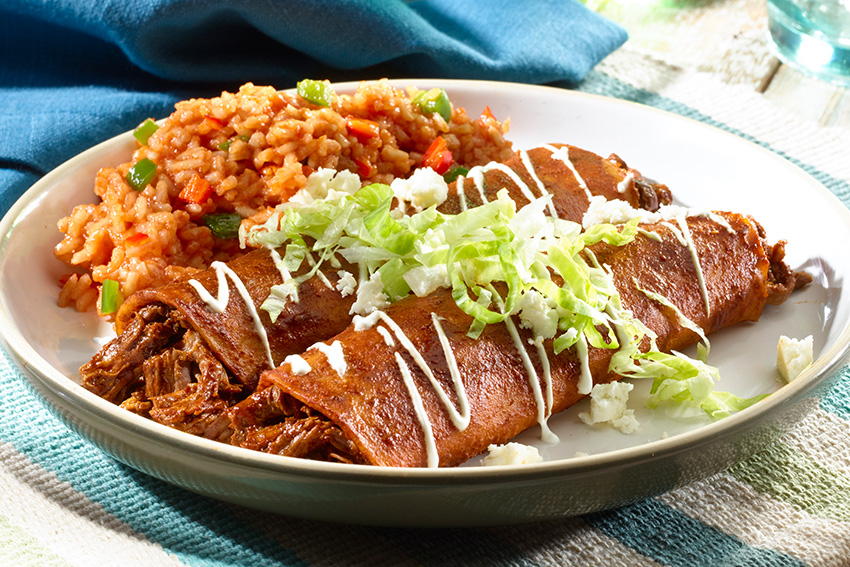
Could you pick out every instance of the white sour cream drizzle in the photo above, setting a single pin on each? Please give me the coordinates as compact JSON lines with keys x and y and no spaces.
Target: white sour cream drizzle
{"x":219,"y":303}
{"x":683,"y":234}
{"x":546,"y":434}
{"x":547,"y":372}
{"x":459,"y":416}
{"x":335,"y":356}
{"x":563,"y":154}
{"x":512,"y":175}
{"x":461,"y":194}
{"x":432,"y":455}
{"x":623,"y":185}
{"x":388,"y":338}
{"x":529,"y":167}
{"x":476,"y":174}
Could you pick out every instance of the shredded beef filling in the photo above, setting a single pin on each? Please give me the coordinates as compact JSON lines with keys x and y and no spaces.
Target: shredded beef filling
{"x":160,"y":369}
{"x":274,"y":422}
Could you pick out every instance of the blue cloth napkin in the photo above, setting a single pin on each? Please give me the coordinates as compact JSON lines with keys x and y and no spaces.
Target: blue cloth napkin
{"x":75,"y":73}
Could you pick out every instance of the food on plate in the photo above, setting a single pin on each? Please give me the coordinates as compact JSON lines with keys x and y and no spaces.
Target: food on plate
{"x":793,"y":356}
{"x":409,"y":386}
{"x":573,"y":176}
{"x":511,"y":454}
{"x":181,"y":363}
{"x":379,"y":279}
{"x":175,"y":206}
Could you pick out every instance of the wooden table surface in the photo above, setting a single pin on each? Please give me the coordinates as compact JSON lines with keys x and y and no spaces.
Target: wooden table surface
{"x":728,"y":39}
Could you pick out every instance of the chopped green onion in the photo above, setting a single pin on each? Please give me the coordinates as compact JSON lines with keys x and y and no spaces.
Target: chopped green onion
{"x":223,"y":225}
{"x":225,"y":145}
{"x":243,"y":137}
{"x":435,"y":100}
{"x":141,"y":174}
{"x":145,"y":130}
{"x":315,"y":92}
{"x":110,"y":297}
{"x":455,"y":172}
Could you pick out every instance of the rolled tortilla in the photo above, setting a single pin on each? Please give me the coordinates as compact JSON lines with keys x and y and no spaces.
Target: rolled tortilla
{"x":180,"y":362}
{"x":373,"y":400}
{"x":571,"y":175}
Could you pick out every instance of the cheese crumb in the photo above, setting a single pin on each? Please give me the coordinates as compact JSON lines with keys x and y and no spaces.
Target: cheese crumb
{"x":370,"y":296}
{"x":793,"y":356}
{"x":537,"y":312}
{"x":608,"y":405}
{"x":421,"y":190}
{"x":346,"y":284}
{"x":511,"y":454}
{"x":326,"y":183}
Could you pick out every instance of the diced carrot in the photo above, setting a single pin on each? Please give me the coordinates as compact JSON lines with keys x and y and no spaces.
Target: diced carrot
{"x":437,"y":156}
{"x":214,"y":123}
{"x":363,"y":129}
{"x":196,"y":191}
{"x":486,"y":116}
{"x":137,"y":238}
{"x":364,"y":167}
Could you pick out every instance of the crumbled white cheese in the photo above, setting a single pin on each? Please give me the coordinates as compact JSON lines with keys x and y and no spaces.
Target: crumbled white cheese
{"x":421,"y":190}
{"x":793,"y":356}
{"x":537,"y":312}
{"x":511,"y":454}
{"x":614,"y":211}
{"x":299,"y":365}
{"x":370,"y":296}
{"x":326,"y":183}
{"x":617,"y":211}
{"x":608,"y":405}
{"x":347,"y":283}
{"x":424,"y":280}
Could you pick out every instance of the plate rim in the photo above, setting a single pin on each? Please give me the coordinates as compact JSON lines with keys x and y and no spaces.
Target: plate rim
{"x":829,"y":361}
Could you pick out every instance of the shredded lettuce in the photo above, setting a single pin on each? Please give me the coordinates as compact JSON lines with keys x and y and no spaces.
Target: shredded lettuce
{"x":492,"y":257}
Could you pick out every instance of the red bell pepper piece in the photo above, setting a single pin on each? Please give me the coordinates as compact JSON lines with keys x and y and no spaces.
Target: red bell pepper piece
{"x":196,"y":191}
{"x":362,"y":129}
{"x":437,"y":156}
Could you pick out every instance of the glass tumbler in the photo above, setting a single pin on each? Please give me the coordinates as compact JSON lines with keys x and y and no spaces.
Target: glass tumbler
{"x":813,"y":36}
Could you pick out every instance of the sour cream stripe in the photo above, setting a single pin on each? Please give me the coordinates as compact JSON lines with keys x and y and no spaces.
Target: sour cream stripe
{"x":529,"y":167}
{"x":546,"y":434}
{"x":433,"y":457}
{"x":461,"y":193}
{"x":477,"y":176}
{"x":219,"y":303}
{"x":683,"y":235}
{"x":460,"y":416}
{"x":563,"y":154}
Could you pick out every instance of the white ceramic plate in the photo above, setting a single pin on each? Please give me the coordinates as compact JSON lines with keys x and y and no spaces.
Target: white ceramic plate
{"x":705,"y":167}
